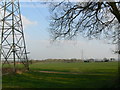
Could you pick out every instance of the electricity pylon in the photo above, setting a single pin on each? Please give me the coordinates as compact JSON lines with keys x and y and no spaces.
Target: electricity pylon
{"x":12,"y":46}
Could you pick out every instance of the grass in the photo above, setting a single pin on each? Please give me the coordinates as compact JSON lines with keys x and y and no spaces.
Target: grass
{"x":77,"y":67}
{"x":90,"y":75}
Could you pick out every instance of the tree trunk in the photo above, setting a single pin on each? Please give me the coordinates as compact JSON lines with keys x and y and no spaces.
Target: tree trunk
{"x":115,"y":10}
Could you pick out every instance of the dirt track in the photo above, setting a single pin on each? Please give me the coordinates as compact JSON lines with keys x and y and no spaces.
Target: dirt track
{"x":58,"y":72}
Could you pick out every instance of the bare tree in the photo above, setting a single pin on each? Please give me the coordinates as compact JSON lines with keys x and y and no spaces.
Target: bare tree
{"x":89,"y":19}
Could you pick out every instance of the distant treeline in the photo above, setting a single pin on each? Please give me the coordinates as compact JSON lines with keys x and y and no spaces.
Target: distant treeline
{"x":57,"y":60}
{"x":72,"y":60}
{"x":68,"y":60}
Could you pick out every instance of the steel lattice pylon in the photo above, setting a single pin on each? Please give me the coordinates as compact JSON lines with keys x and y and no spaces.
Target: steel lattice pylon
{"x":12,"y":47}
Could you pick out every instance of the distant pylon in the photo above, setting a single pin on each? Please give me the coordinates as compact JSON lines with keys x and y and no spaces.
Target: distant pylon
{"x":12,"y":46}
{"x":82,"y":55}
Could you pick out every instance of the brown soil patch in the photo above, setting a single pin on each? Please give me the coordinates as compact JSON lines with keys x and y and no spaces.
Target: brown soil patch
{"x":11,"y":70}
{"x":58,"y":72}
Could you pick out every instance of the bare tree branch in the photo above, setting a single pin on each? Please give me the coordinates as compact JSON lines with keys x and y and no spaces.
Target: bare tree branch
{"x":90,"y":19}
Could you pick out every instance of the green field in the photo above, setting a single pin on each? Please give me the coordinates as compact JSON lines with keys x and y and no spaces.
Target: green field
{"x":68,"y":75}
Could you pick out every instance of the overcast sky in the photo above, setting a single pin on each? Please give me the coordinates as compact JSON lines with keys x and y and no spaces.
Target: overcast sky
{"x":36,"y":23}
